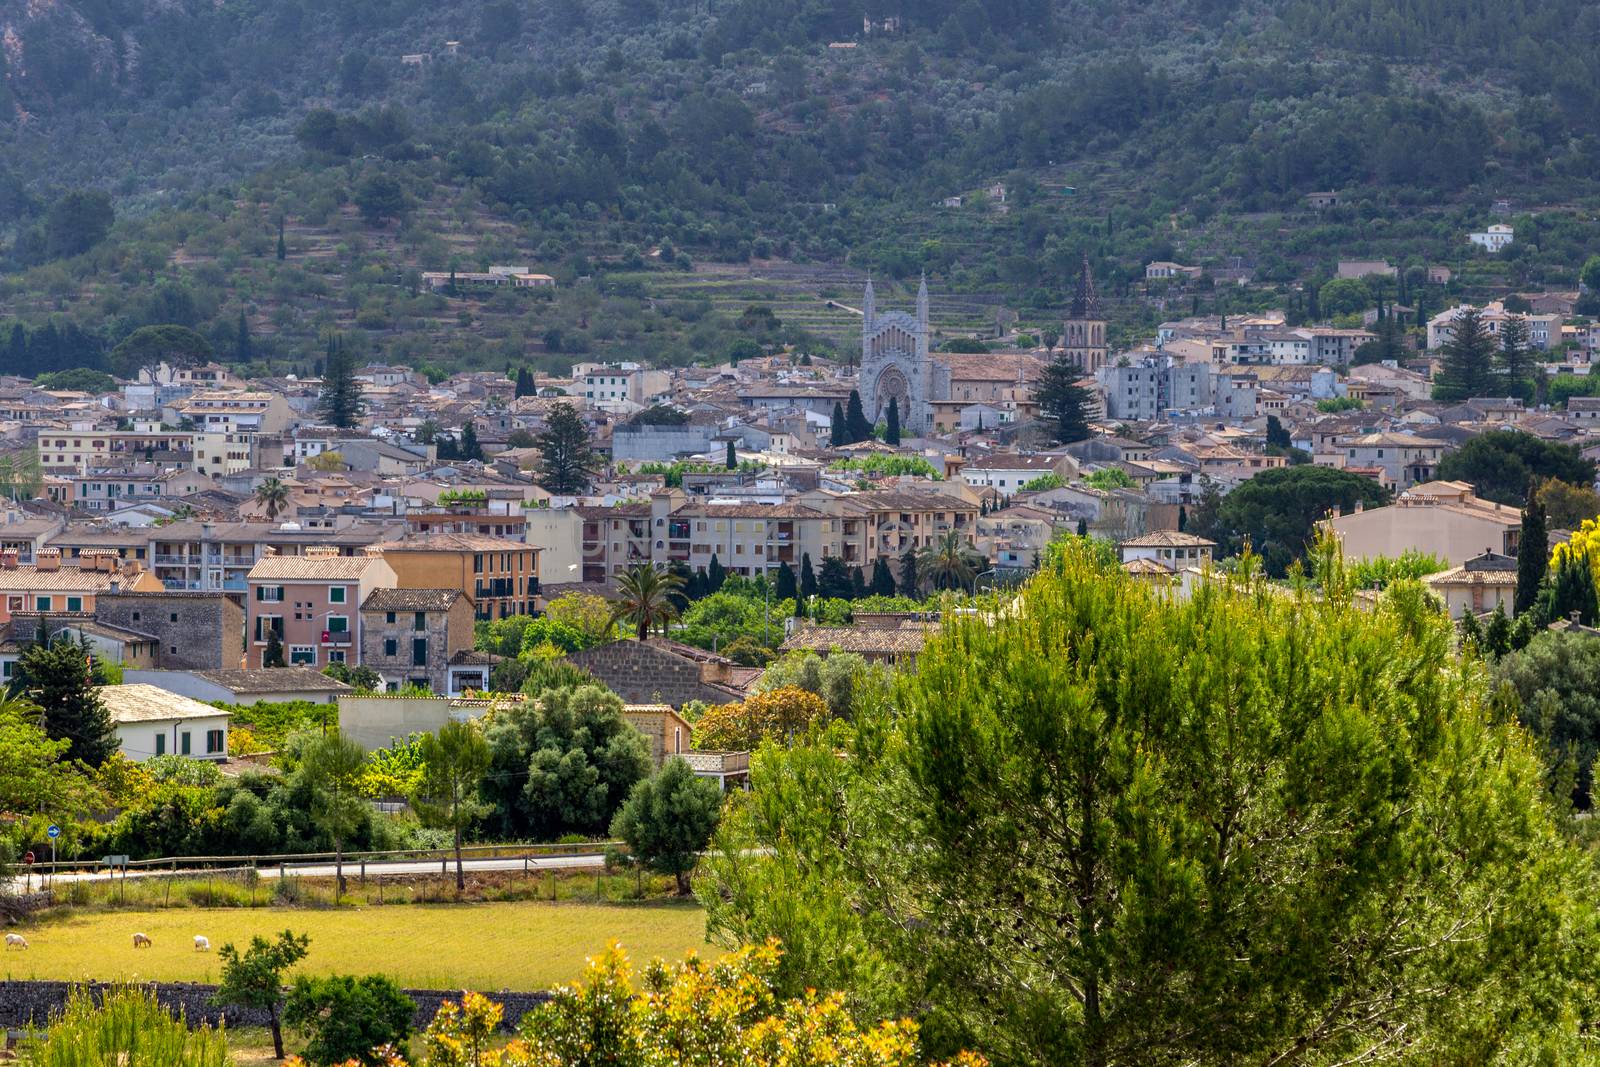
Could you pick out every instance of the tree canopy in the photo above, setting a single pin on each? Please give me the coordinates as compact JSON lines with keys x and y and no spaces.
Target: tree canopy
{"x":1503,"y":465}
{"x":1109,"y":826}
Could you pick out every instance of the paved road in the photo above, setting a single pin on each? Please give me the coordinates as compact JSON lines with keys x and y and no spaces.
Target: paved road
{"x":353,"y":868}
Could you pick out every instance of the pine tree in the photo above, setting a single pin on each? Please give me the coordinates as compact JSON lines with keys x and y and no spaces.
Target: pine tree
{"x":1063,"y":403}
{"x":283,"y":248}
{"x":567,"y":464}
{"x":1515,"y":359}
{"x":1533,"y":553}
{"x":340,"y":403}
{"x":785,"y":587}
{"x":836,"y":430}
{"x":733,"y":458}
{"x":59,"y":677}
{"x":1497,"y":635}
{"x":891,"y":432}
{"x":1471,"y":632}
{"x":856,"y":426}
{"x":808,"y":578}
{"x":243,"y":350}
{"x":1468,"y":369}
{"x":882,"y":578}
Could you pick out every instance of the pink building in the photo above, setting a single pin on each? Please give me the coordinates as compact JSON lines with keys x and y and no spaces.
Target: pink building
{"x":313,"y":601}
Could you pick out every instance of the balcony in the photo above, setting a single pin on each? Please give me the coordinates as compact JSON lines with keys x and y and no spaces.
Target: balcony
{"x":172,"y":560}
{"x":337,"y":638}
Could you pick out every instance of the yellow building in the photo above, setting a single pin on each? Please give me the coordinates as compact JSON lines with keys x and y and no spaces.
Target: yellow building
{"x":499,"y":577}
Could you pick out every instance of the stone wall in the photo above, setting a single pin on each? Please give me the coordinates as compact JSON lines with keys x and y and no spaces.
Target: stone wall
{"x":25,"y":1004}
{"x":641,"y":673}
{"x":194,"y":631}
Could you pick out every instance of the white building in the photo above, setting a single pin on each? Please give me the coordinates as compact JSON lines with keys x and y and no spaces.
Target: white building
{"x":151,"y":721}
{"x":1494,"y":239}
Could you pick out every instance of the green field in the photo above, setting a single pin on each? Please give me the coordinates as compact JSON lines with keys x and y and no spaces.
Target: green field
{"x":527,"y":945}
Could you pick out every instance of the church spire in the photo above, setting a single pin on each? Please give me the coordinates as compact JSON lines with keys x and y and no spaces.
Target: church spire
{"x":1085,"y":301}
{"x":869,"y":304}
{"x":922,"y":302}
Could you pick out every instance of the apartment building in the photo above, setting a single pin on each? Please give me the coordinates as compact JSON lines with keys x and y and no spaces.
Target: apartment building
{"x":614,"y":539}
{"x":212,"y":557}
{"x":1007,"y":472}
{"x":1405,"y":459}
{"x":45,"y":586}
{"x":499,"y":577}
{"x":747,"y":539}
{"x":887,"y":524}
{"x":1543,"y":330}
{"x":63,"y":451}
{"x":236,"y":412}
{"x":311,"y":600}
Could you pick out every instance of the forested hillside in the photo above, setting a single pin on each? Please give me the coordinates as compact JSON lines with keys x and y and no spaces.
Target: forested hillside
{"x":630,"y":140}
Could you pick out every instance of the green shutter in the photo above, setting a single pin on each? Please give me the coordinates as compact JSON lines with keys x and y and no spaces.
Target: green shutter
{"x":261,"y":592}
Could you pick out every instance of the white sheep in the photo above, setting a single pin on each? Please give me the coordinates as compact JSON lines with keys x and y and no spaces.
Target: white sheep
{"x":201,"y":944}
{"x":16,"y":941}
{"x":142,"y":941}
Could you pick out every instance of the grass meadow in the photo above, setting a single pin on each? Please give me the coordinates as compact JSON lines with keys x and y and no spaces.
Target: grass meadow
{"x":522,"y":945}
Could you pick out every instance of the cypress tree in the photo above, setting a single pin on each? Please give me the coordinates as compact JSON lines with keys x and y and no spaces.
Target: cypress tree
{"x":785,"y":587}
{"x":273,"y":656}
{"x":808,"y":578}
{"x":836,"y":429}
{"x":858,"y":583}
{"x":470,"y":448}
{"x":891,"y":431}
{"x":910,"y":580}
{"x":733,"y":457}
{"x":283,"y":249}
{"x":716,"y":574}
{"x":882,"y":578}
{"x":1533,"y":553}
{"x":856,"y":426}
{"x":242,"y":348}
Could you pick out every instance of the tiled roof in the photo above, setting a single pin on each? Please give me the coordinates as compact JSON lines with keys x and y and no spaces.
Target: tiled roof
{"x":149,"y":703}
{"x":315,"y":569}
{"x":411,"y":599}
{"x":1013,"y":462}
{"x":66,"y":580}
{"x":454,"y":542}
{"x":1167,"y":539}
{"x":274,"y":680}
{"x":905,"y":640}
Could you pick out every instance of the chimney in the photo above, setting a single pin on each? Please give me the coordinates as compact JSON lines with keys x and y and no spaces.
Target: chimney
{"x":49,"y":559}
{"x":321,"y":552}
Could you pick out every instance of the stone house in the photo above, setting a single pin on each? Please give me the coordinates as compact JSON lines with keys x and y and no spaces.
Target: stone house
{"x":660,"y":672}
{"x":410,"y":635}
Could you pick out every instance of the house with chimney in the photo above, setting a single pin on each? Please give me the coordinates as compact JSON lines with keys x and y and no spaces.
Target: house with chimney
{"x":45,"y":586}
{"x":313,"y":602}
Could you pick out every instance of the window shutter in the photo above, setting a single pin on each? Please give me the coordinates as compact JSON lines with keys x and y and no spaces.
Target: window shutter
{"x":261,"y":592}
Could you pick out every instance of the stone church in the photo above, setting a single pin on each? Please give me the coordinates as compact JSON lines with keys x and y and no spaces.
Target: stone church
{"x":930,"y":388}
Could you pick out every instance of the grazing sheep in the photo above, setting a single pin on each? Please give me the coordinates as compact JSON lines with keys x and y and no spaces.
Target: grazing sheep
{"x":142,"y":941}
{"x":16,"y":941}
{"x":201,"y":944}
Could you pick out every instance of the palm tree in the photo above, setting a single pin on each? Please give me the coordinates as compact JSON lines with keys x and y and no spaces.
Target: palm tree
{"x":17,"y":705}
{"x":948,"y":562}
{"x":272,"y":495}
{"x":647,"y":598}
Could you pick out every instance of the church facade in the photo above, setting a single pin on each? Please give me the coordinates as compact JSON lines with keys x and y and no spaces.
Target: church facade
{"x":895,"y":362}
{"x":930,"y":389}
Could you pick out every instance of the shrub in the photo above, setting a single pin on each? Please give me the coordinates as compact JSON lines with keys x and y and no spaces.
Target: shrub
{"x":348,"y":1018}
{"x":127,"y":1026}
{"x":778,"y":713}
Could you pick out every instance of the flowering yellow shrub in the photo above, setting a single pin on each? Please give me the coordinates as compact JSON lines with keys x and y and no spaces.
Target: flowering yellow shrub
{"x":1585,"y":544}
{"x":777,"y":713}
{"x":694,"y":1012}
